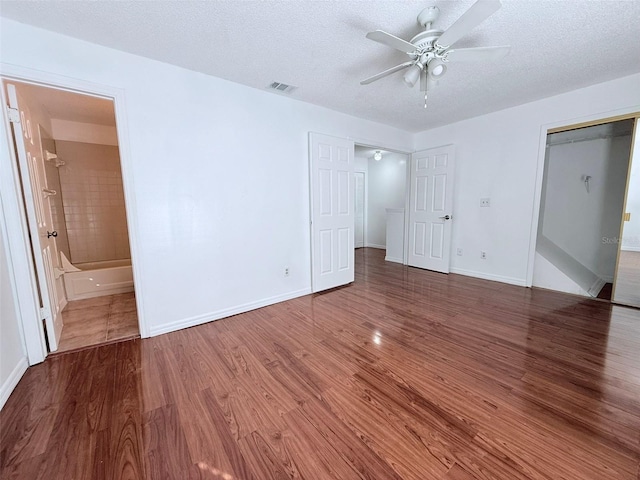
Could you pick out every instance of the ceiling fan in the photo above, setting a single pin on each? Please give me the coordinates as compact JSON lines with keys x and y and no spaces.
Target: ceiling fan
{"x":431,"y":50}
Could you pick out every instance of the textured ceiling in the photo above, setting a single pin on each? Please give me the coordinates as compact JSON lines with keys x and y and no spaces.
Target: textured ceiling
{"x":72,"y":106}
{"x":320,"y":47}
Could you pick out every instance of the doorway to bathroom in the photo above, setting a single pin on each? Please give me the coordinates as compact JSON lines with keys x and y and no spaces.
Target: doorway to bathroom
{"x":70,"y":178}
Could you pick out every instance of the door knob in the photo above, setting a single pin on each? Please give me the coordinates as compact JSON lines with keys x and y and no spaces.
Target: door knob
{"x":52,"y":234}
{"x":446,"y":217}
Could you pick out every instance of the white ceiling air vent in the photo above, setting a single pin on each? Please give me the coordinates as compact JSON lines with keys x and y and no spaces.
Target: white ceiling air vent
{"x":282,"y":87}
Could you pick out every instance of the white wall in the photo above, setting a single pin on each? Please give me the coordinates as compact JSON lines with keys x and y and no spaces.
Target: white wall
{"x":497,"y":156}
{"x":631,"y":230}
{"x":547,"y":275}
{"x":361,"y":162}
{"x":13,"y":357}
{"x":386,"y":189}
{"x":587,"y":224}
{"x":219,"y":172}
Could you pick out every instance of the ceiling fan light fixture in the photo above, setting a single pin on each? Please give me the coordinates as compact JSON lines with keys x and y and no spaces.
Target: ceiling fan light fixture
{"x":412,"y":75}
{"x":437,"y":69}
{"x":377,"y":156}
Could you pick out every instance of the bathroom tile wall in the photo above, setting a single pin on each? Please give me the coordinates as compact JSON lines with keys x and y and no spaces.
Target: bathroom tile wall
{"x":93,"y":199}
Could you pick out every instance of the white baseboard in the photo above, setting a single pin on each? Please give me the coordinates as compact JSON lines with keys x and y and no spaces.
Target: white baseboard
{"x":630,"y":249}
{"x":596,"y":286}
{"x":13,"y":379}
{"x":63,"y":303}
{"x":521,"y":282}
{"x":209,"y":317}
{"x":375,"y":245}
{"x":394,"y":259}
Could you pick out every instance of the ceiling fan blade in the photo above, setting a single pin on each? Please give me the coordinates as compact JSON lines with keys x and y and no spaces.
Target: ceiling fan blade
{"x":378,"y":76}
{"x":478,"y":13}
{"x":391,"y":41}
{"x":479,"y":54}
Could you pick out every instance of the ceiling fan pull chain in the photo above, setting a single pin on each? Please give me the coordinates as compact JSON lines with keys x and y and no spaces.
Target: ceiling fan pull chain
{"x":425,"y":99}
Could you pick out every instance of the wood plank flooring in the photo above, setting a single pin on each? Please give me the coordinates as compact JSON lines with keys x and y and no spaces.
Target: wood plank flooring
{"x":406,"y":374}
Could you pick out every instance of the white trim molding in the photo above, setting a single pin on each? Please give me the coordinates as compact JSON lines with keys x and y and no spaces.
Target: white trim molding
{"x":12,"y":380}
{"x":393,"y":259}
{"x":596,"y":286}
{"x":227,"y":312}
{"x":520,"y":282}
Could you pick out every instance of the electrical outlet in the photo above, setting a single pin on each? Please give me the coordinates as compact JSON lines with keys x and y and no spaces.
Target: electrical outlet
{"x":485,"y":202}
{"x":459,"y":252}
{"x":286,"y":271}
{"x":483,"y":255}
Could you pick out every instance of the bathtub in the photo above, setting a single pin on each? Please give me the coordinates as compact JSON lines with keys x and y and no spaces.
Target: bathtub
{"x":94,"y":279}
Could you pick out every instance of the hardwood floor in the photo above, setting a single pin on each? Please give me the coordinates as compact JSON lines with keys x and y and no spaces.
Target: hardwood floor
{"x":98,"y":320}
{"x":405,"y":374}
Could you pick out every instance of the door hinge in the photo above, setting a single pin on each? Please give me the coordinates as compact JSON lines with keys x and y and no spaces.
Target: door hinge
{"x":45,"y":313}
{"x":14,"y":115}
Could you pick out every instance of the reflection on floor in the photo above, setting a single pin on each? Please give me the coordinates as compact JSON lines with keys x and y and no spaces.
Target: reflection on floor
{"x":628,"y":279}
{"x":98,"y":320}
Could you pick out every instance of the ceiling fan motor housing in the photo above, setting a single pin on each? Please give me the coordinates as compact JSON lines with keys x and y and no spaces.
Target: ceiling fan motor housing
{"x":428,"y":16}
{"x":425,"y":40}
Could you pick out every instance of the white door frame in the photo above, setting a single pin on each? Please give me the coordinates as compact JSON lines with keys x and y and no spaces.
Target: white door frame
{"x":542,"y":143}
{"x":364,"y":206}
{"x":14,"y":217}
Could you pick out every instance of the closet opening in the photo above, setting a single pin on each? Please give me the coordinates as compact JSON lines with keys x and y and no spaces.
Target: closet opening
{"x":585,"y":232}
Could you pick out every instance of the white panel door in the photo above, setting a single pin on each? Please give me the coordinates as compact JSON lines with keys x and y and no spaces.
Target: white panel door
{"x":332,"y":212}
{"x":359,"y":209}
{"x":36,"y":197}
{"x":430,"y":208}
